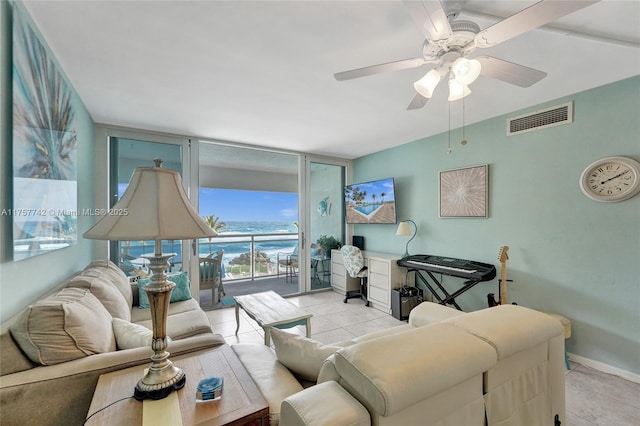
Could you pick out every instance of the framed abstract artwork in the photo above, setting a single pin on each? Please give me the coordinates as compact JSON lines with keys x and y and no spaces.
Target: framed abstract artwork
{"x":464,"y":192}
{"x":44,"y":148}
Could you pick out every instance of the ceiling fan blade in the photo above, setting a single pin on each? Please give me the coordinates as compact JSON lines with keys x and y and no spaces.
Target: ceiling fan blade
{"x":431,"y":18}
{"x":377,"y":69}
{"x":539,"y":14}
{"x":417,"y":102}
{"x":509,"y":72}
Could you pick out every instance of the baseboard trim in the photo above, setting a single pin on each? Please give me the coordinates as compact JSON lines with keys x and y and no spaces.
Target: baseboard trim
{"x":605,"y":368}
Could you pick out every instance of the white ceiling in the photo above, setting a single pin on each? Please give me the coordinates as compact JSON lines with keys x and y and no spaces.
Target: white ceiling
{"x":261,"y":72}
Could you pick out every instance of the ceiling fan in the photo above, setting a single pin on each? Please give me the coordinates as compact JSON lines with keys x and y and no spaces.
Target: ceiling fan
{"x":449,"y":43}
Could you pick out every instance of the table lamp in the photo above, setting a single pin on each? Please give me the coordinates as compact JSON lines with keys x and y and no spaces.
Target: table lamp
{"x":154,"y":207}
{"x":405,"y":229}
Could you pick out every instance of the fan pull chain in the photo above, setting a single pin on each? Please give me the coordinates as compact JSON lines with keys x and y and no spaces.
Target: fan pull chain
{"x":449,"y":134}
{"x":463,"y":142}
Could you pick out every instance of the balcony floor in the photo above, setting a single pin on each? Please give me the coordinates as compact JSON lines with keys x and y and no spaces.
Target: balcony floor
{"x":280,"y":285}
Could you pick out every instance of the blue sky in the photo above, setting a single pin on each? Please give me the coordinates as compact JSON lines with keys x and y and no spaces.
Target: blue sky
{"x":377,"y":187}
{"x":234,"y":205}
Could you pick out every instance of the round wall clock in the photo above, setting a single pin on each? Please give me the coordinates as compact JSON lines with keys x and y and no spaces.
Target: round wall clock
{"x":611,"y":179}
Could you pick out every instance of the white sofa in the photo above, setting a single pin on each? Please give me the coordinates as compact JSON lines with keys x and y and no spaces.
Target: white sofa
{"x":53,"y":352}
{"x":498,"y":366}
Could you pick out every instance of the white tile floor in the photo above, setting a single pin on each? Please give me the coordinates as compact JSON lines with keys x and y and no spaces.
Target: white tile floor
{"x":593,"y":398}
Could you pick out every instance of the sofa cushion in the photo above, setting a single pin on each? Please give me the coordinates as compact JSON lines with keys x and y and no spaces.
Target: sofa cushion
{"x":387,"y":374}
{"x":65,"y":326}
{"x":101,"y":286}
{"x":430,"y":312}
{"x":139,"y":315}
{"x":130,"y":335}
{"x":12,"y":359}
{"x":179,"y":293}
{"x":272,"y":378}
{"x":327,"y":403}
{"x":301,"y":355}
{"x":380,"y":333}
{"x":527,"y":327}
{"x":116,"y":276}
{"x":184,"y":324}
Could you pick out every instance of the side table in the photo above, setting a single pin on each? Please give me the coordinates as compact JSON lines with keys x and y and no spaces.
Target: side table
{"x":241,"y":402}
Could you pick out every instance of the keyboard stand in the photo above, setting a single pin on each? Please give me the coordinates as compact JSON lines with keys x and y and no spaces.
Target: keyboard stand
{"x":448,"y":299}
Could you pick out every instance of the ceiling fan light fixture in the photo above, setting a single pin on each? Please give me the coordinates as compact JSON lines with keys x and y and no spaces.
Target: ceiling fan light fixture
{"x":457,"y":90}
{"x":427,"y":84}
{"x":466,"y":70}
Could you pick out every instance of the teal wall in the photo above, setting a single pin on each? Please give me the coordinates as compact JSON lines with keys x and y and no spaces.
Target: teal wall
{"x":22,"y":282}
{"x":568,"y":254}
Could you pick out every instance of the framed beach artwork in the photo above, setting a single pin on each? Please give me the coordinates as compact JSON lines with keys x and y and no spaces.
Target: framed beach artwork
{"x":464,"y":192}
{"x":44,"y":148}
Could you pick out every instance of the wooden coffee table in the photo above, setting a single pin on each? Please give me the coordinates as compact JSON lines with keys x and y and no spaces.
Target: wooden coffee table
{"x":269,"y":309}
{"x":241,"y":402}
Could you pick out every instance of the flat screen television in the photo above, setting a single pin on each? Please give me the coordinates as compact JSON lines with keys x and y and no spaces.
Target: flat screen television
{"x":371,"y":202}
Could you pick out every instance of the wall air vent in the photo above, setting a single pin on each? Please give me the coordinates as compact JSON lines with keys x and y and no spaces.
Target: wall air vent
{"x":548,"y":117}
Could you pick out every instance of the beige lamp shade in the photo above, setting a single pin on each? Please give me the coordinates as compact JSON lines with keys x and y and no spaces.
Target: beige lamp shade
{"x":153,"y":207}
{"x":404,"y":229}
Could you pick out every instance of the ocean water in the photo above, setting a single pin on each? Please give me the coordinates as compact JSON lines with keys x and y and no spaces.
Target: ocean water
{"x":234,"y":239}
{"x":259,"y":227}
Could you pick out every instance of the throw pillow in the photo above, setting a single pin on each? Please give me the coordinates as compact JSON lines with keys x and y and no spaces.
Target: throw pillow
{"x":130,"y":335}
{"x":67,"y":325}
{"x":116,"y":276}
{"x":301,"y":355}
{"x":104,"y":290}
{"x":180,"y":292}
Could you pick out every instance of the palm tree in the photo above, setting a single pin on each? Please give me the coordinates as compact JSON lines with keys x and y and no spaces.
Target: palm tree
{"x":382,"y":195}
{"x":214,"y":223}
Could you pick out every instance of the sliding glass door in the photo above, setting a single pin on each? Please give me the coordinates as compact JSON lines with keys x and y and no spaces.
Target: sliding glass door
{"x":325,"y":222}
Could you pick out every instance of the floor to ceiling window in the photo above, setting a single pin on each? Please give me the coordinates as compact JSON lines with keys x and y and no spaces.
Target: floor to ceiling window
{"x":126,"y":154}
{"x":250,"y":197}
{"x":272,"y":210}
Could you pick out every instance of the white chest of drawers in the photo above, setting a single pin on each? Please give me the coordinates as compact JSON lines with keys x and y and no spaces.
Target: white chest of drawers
{"x":384,"y":275}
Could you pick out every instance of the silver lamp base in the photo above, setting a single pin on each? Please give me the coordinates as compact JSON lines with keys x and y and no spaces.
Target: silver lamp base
{"x":161,"y":390}
{"x":162,"y":377}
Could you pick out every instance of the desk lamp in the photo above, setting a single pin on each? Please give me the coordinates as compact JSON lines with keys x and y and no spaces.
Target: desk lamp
{"x":154,"y":207}
{"x":405,"y":229}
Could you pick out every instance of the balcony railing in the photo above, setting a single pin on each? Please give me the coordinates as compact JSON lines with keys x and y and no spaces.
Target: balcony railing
{"x":246,"y":256}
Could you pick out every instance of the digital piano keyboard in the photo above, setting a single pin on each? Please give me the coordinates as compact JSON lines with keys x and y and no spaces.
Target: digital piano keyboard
{"x":462,"y":268}
{"x":474,"y":272}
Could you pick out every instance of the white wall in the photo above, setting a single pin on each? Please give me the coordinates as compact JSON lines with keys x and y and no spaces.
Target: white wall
{"x":221,"y":177}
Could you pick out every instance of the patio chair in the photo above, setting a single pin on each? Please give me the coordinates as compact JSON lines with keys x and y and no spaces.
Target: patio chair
{"x":290,"y":263}
{"x":211,"y":275}
{"x":125,"y":264}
